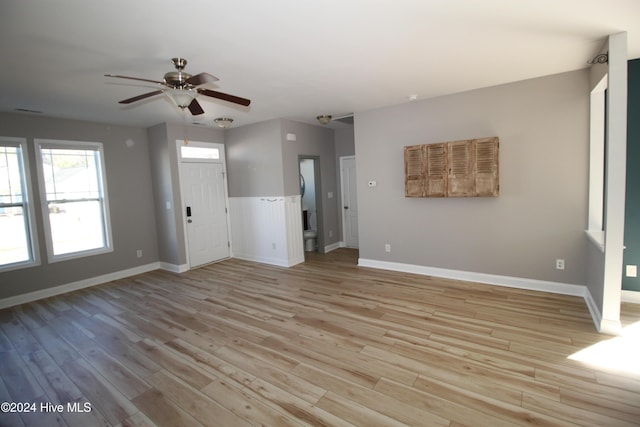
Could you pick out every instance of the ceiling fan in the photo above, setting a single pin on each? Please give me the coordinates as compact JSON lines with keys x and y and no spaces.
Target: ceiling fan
{"x":183,"y":88}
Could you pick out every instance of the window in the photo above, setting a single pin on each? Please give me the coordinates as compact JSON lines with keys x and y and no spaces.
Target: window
{"x":74,"y":198}
{"x":203,"y":153}
{"x":17,"y":244}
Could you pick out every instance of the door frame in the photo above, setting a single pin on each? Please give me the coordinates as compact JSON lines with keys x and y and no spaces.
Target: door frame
{"x":318,"y":189}
{"x":181,"y":213}
{"x":342,"y":201}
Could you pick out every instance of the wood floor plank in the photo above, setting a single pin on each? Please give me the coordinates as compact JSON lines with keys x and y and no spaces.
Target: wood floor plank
{"x":296,"y":385}
{"x":247,"y":405}
{"x":137,"y":420}
{"x":9,"y":419}
{"x":580,"y":416}
{"x":18,"y":378}
{"x":385,"y":404}
{"x":99,"y":391}
{"x":172,"y":362}
{"x":505,"y":404}
{"x":162,"y":411}
{"x":441,"y":406}
{"x":323,"y":343}
{"x":204,"y":409}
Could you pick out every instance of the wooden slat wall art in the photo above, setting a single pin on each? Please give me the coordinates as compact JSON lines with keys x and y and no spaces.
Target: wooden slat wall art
{"x":436,"y":185}
{"x":467,"y":168}
{"x":414,"y":171}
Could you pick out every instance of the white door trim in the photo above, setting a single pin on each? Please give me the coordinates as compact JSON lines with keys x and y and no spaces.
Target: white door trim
{"x":343,"y":215}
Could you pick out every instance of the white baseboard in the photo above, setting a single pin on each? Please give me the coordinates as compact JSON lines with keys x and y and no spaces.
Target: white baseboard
{"x":174,"y":268}
{"x":74,"y":286}
{"x":491,"y":279}
{"x":271,"y":261}
{"x":333,"y":247}
{"x":630,"y":296}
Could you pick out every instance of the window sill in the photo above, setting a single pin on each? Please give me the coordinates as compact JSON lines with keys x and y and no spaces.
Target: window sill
{"x":19,"y":265}
{"x":597,"y":238}
{"x":76,"y":255}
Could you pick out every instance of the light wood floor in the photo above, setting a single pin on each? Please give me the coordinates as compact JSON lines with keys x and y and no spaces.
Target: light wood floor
{"x":325,"y":343}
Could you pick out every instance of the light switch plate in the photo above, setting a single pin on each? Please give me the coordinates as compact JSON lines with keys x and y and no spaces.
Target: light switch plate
{"x":632,"y":271}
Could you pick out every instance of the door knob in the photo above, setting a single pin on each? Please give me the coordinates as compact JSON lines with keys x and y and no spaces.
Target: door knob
{"x":346,"y":207}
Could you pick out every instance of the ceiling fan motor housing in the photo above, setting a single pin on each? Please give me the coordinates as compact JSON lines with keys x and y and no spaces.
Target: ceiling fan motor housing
{"x":177,"y":79}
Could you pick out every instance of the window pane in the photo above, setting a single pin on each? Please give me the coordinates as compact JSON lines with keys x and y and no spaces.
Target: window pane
{"x":10,"y":175}
{"x":76,"y":226}
{"x":70,"y":174}
{"x":190,"y":152}
{"x":74,"y":198}
{"x":14,"y":244}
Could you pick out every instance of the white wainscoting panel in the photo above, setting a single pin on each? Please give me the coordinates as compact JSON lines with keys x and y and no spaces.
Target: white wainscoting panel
{"x":265,"y":229}
{"x":295,"y":241}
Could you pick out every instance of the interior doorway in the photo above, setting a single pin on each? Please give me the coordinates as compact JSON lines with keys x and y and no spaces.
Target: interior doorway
{"x":311,"y":202}
{"x":349,"y":201}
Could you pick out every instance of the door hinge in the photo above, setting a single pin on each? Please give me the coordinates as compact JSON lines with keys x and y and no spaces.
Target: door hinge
{"x":225,"y":210}
{"x":228,"y":244}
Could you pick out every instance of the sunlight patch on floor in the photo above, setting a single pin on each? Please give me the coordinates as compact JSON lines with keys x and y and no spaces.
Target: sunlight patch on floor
{"x":621,"y":353}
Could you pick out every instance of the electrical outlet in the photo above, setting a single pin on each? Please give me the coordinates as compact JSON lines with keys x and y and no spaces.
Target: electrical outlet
{"x":139,"y":253}
{"x":559,"y":264}
{"x":632,"y":271}
{"x":273,"y":246}
{"x":387,"y":247}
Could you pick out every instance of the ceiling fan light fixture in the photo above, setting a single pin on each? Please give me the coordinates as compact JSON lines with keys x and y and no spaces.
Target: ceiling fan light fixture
{"x":324,"y":119}
{"x":182,"y":97}
{"x":223,"y":122}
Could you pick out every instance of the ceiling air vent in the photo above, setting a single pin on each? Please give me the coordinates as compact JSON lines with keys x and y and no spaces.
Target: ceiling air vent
{"x":346,"y":119}
{"x":24,"y":110}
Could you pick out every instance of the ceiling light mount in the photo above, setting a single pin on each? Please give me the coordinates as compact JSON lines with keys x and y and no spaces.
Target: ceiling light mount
{"x":324,"y":119}
{"x":223,"y":122}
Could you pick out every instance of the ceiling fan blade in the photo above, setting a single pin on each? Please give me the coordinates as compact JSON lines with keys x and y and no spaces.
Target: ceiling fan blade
{"x":225,"y":97}
{"x":202,"y":78}
{"x":139,"y":97}
{"x":195,"y":108}
{"x":133,"y":78}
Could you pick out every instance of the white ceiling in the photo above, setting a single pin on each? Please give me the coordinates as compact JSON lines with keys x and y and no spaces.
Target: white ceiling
{"x":294,"y":59}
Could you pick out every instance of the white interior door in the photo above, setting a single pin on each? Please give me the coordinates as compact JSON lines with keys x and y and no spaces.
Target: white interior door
{"x":205,"y":212}
{"x":349,"y":201}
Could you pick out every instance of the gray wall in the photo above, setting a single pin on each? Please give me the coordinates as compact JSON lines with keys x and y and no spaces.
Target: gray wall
{"x":345,"y":142}
{"x":164,"y":199}
{"x":541,"y":212}
{"x":131,"y":204}
{"x":254,"y":160}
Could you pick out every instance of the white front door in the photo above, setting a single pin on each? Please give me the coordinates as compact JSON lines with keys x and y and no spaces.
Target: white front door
{"x":349,"y":201}
{"x":205,"y":212}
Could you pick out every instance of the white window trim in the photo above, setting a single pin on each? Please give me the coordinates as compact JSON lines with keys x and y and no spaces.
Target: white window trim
{"x":78,"y":145}
{"x":30,"y":210}
{"x":595,"y":231}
